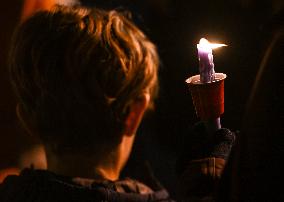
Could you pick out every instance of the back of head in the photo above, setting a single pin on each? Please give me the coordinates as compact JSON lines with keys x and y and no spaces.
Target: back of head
{"x":76,"y":71}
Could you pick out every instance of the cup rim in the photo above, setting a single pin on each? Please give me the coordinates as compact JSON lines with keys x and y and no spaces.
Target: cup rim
{"x":195,"y":80}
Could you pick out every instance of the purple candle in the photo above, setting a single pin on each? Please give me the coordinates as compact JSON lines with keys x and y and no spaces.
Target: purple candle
{"x":207,"y":75}
{"x":205,"y":56}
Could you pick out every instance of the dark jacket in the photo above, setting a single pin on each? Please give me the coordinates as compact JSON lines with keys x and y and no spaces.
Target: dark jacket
{"x":45,"y":186}
{"x":199,"y":177}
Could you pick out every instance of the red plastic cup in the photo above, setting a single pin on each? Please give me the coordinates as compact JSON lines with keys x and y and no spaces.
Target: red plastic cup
{"x":208,"y":98}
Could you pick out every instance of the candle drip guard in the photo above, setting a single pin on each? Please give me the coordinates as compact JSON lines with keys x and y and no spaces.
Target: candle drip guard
{"x":208,"y":98}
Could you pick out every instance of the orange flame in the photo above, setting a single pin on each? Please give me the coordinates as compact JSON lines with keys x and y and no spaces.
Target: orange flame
{"x":205,"y":45}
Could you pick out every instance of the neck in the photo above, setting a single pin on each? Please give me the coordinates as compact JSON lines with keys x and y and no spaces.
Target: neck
{"x":79,"y":165}
{"x":90,"y":166}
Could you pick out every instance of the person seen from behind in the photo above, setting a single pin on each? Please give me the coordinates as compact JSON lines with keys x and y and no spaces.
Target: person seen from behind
{"x":84,"y":79}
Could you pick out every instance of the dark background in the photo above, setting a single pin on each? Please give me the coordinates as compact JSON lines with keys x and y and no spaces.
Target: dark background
{"x":175,"y":27}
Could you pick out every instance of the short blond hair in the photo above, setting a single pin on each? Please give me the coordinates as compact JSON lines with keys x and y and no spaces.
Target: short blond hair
{"x":77,"y":70}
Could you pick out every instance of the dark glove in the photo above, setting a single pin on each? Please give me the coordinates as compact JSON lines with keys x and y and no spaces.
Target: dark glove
{"x":202,"y":145}
{"x":221,"y":143}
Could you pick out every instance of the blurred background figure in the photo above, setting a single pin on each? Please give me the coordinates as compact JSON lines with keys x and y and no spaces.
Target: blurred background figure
{"x":31,"y":6}
{"x":257,"y":166}
{"x":260,"y":160}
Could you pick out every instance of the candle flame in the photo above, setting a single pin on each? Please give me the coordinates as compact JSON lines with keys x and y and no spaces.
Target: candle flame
{"x":206,"y":45}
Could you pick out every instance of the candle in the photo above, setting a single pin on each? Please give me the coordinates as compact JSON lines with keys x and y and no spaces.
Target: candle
{"x":206,"y":64}
{"x":207,"y":75}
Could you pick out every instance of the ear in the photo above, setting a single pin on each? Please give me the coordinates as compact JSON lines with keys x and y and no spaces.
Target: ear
{"x":135,"y":115}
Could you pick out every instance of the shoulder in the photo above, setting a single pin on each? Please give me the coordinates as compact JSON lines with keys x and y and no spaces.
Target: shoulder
{"x":129,"y":189}
{"x":9,"y":187}
{"x":129,"y":185}
{"x":38,"y":185}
